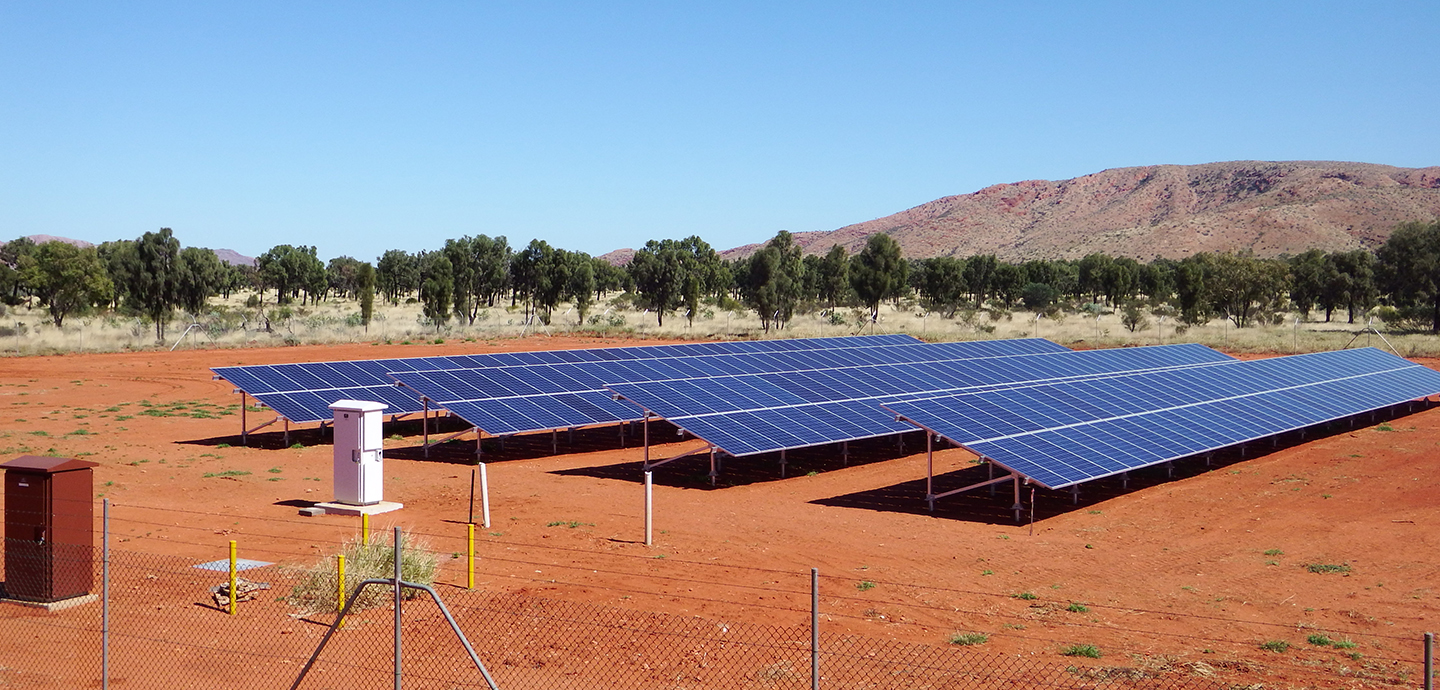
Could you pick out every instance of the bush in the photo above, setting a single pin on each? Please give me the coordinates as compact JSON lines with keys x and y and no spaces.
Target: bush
{"x":1277,"y":646}
{"x":1323,"y":568}
{"x":969,"y":639}
{"x":1088,"y":651}
{"x":315,"y":592}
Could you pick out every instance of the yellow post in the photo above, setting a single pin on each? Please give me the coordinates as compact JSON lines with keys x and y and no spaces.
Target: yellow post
{"x":470,"y":556}
{"x":339,"y":584}
{"x":364,"y":529}
{"x":233,"y":594}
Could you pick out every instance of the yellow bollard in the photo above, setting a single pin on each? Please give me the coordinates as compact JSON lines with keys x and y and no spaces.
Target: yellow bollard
{"x":340,"y":584}
{"x":470,"y":556}
{"x":364,"y":529}
{"x":233,"y":594}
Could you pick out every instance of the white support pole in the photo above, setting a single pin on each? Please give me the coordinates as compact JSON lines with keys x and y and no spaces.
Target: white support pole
{"x":484,"y":496}
{"x":646,"y":425}
{"x":649,"y":517}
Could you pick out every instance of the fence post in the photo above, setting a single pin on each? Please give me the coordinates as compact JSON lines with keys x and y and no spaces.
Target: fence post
{"x":233,"y":593}
{"x":1429,"y":661}
{"x":470,"y":556}
{"x":364,"y":529}
{"x":339,"y":584}
{"x":105,"y":595}
{"x":648,"y":521}
{"x":814,"y":629}
{"x":484,"y":498}
{"x":395,"y":542}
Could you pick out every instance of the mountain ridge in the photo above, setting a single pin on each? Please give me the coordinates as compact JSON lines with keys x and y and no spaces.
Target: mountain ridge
{"x":1272,"y":208}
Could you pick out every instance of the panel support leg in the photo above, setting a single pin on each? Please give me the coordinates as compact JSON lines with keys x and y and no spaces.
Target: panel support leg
{"x":782,"y":464}
{"x":713,"y":474}
{"x":990,"y":466}
{"x":845,"y":453}
{"x":287,"y":433}
{"x":1169,"y":470}
{"x":425,"y":425}
{"x":1019,"y":509}
{"x":649,"y":522}
{"x":930,"y":471}
{"x":1075,"y":495}
{"x":554,"y":441}
{"x":646,"y":424}
{"x":1125,"y":480}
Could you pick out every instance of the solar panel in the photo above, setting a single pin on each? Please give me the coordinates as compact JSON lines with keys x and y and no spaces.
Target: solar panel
{"x":533,"y":398}
{"x":1062,"y":434}
{"x":285,"y":387}
{"x":745,"y":415}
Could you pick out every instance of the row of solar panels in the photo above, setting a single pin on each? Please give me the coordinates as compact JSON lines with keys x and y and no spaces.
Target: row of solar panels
{"x":303,"y":392}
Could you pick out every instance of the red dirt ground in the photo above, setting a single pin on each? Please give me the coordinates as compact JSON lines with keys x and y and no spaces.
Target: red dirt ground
{"x":1170,"y":567}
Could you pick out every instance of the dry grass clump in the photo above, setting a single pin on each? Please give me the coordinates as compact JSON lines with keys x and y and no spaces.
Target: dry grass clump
{"x":316,"y":585}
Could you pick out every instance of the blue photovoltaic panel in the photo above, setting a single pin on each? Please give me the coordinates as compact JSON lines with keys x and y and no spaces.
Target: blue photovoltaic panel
{"x":284,"y":386}
{"x":1063,"y":434}
{"x":745,"y":415}
{"x":503,"y":400}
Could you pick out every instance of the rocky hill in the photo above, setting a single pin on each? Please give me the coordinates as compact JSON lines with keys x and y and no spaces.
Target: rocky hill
{"x":1171,"y":211}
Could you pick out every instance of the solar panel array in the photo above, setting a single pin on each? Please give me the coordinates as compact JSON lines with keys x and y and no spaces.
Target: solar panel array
{"x":1061,"y":434}
{"x":745,"y":415}
{"x":512,"y":400}
{"x":303,"y":392}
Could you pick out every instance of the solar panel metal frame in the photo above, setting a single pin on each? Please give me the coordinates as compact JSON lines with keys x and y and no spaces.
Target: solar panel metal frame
{"x":1214,"y":411}
{"x":493,"y":413}
{"x":244,"y":377}
{"x":871,"y":404}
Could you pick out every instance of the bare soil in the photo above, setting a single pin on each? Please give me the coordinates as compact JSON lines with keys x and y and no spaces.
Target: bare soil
{"x":1202,"y":566}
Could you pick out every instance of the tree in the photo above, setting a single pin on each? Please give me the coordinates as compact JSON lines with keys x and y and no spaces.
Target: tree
{"x":365,"y":287}
{"x":1007,"y":283}
{"x":1356,"y":283}
{"x":1093,"y":271}
{"x":155,"y":283}
{"x":436,"y":288}
{"x":531,"y":273}
{"x":121,"y":263}
{"x":342,"y":276}
{"x":660,"y":270}
{"x":482,"y":271}
{"x":943,"y":286}
{"x":775,"y":280}
{"x":1038,"y":296}
{"x":1410,"y":266}
{"x":876,"y":272}
{"x":200,"y":274}
{"x":65,"y":278}
{"x":10,"y":255}
{"x":1241,"y":286}
{"x":979,"y":276}
{"x":1307,"y":280}
{"x":580,"y":282}
{"x":1190,"y":289}
{"x":291,"y":271}
{"x":397,"y":273}
{"x":833,"y":279}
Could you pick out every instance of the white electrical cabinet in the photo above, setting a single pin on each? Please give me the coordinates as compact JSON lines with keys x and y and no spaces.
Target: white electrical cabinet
{"x":359,"y":452}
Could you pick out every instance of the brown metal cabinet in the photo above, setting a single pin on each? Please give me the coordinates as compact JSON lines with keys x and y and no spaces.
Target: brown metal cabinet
{"x":49,"y":519}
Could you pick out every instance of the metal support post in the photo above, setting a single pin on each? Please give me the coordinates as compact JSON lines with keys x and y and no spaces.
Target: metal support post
{"x":646,"y":424}
{"x":244,"y":432}
{"x":471,"y":518}
{"x":1125,"y":480}
{"x":105,"y":593}
{"x":287,"y":433}
{"x":782,"y":464}
{"x":1016,"y":506}
{"x":648,"y":512}
{"x":554,"y":441}
{"x":1429,"y":661}
{"x":990,"y":467}
{"x":845,"y":453}
{"x":1075,"y":494}
{"x":233,"y":593}
{"x":425,"y":426}
{"x":713,"y":474}
{"x":1169,"y":470}
{"x":929,"y":471}
{"x":396,"y":543}
{"x":470,"y":556}
{"x":814,"y":629}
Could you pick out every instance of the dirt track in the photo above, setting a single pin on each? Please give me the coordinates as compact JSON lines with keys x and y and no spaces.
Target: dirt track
{"x":1169,"y":567}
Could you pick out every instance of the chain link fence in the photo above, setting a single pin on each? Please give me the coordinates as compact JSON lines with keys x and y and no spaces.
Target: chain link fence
{"x":165,"y":623}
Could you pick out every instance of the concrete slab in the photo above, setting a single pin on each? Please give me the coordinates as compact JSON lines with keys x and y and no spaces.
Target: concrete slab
{"x":346,"y":509}
{"x":55,"y":605}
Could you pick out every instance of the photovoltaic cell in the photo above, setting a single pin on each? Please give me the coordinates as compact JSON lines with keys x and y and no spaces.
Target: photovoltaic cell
{"x":1061,"y":434}
{"x":283,"y":386}
{"x":745,"y":415}
{"x":501,"y":400}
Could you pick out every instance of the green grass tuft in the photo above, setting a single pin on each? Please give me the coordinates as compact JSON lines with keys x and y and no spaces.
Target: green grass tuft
{"x":1027,"y":596}
{"x":969,"y":639}
{"x":1277,"y":646}
{"x":315,"y":591}
{"x":1088,"y":651}
{"x":1323,"y":568}
{"x":1319,"y":640}
{"x":1077,"y":607}
{"x":226,"y":473}
{"x":864,"y":585}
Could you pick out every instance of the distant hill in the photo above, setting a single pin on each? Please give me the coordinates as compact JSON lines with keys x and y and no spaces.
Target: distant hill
{"x":1171,"y":211}
{"x":228,"y":256}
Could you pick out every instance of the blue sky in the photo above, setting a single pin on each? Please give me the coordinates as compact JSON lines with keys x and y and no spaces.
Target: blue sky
{"x":361,"y":127}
